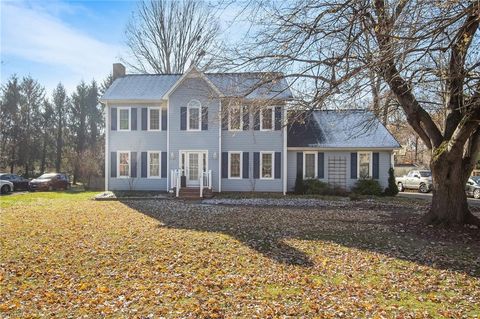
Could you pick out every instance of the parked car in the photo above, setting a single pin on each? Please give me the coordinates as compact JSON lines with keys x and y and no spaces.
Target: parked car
{"x":416,"y":179}
{"x":50,"y":181}
{"x":6,"y":186}
{"x":473,"y":187}
{"x":19,"y":182}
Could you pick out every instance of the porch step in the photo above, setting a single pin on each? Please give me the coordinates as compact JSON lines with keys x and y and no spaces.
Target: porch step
{"x":194,"y":193}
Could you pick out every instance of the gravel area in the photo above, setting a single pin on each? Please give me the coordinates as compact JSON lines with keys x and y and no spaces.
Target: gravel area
{"x":280,"y":202}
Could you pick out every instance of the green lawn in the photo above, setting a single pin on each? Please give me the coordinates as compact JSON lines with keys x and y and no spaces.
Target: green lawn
{"x":64,"y":255}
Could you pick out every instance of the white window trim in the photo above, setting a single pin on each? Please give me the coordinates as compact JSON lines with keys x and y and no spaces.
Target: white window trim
{"x":315,"y":154}
{"x":129,"y":163}
{"x":229,"y":166}
{"x":273,"y":119}
{"x":273,"y":165}
{"x":199,"y":116}
{"x":370,"y":168}
{"x":159,"y":118}
{"x":159,"y":164}
{"x":241,"y":120}
{"x":129,"y":119}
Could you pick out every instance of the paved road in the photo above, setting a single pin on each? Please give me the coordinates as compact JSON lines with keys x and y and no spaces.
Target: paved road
{"x":428,"y":196}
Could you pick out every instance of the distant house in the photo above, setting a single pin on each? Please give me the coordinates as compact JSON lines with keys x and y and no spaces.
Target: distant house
{"x":225,"y":132}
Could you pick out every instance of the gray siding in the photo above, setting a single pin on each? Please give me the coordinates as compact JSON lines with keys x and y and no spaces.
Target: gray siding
{"x":192,"y":88}
{"x":384,"y":165}
{"x":252,"y":141}
{"x":136,"y":141}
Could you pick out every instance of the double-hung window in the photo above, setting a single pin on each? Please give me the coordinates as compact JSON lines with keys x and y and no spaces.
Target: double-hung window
{"x":309,"y":165}
{"x":266,"y":119}
{"x":235,"y":118}
{"x":123,"y":164}
{"x":123,"y":119}
{"x":153,"y":164}
{"x":235,"y":165}
{"x":365,"y":164}
{"x":154,"y":118}
{"x":194,"y":116}
{"x":266,"y":165}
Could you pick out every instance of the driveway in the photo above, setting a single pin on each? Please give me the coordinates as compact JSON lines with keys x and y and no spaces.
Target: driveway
{"x":428,"y":196}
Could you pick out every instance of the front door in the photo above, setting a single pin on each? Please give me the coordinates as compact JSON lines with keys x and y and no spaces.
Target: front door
{"x":194,"y":165}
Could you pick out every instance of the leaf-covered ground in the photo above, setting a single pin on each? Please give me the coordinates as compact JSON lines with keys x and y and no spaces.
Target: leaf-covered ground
{"x":64,"y":255}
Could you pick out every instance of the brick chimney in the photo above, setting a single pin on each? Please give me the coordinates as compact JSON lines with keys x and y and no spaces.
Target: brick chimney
{"x":118,"y":71}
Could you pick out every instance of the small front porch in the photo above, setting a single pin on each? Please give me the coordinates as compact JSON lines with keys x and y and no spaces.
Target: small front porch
{"x":182,"y":187}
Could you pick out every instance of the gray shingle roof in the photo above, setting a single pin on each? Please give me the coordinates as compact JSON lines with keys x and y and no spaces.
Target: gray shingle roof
{"x":154,"y":87}
{"x":341,"y":129}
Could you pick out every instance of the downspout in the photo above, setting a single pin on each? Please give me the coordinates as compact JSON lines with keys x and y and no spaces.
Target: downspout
{"x":219,"y":156}
{"x":168,"y":144}
{"x":284,"y":150}
{"x":107,"y":135}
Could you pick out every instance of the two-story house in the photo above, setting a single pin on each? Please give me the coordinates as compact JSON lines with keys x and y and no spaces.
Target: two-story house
{"x":227,"y":132}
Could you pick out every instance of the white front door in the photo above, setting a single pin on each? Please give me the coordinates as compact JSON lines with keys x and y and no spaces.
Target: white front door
{"x":195,"y":163}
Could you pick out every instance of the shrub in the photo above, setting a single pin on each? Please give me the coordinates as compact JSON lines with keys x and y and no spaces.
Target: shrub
{"x":299,"y":188}
{"x":392,"y":188}
{"x":316,"y":187}
{"x":367,"y":187}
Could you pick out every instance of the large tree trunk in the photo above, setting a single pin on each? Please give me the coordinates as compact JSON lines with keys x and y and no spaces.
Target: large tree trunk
{"x":449,"y":202}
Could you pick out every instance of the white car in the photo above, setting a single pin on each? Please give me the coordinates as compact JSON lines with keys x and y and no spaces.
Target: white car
{"x":6,"y":187}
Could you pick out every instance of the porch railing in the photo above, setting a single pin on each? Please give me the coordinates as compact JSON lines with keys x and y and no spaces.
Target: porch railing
{"x":175,"y":180}
{"x":205,"y":181}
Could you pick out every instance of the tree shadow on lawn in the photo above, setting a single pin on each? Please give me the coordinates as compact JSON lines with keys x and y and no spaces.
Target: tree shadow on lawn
{"x":395,"y":231}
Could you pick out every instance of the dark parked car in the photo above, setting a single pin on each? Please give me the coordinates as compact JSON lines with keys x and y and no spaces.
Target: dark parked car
{"x":20,"y":183}
{"x":50,"y":181}
{"x":473,"y":187}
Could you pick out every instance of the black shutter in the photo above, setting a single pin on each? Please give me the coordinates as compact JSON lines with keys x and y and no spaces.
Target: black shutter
{"x":256,"y":120}
{"x":321,"y":165}
{"x":144,"y":164}
{"x":278,"y":118}
{"x":224,"y":164}
{"x":278,"y":165}
{"x":204,"y":118}
{"x":246,"y":165}
{"x":256,"y":165}
{"x":353,"y":165}
{"x":113,"y":164}
{"x":246,"y":118}
{"x":376,"y":164}
{"x":133,"y":120}
{"x":300,"y":164}
{"x":164,"y":119}
{"x":144,"y":119}
{"x":164,"y":164}
{"x":113,"y":119}
{"x":133,"y":167}
{"x":183,"y":118}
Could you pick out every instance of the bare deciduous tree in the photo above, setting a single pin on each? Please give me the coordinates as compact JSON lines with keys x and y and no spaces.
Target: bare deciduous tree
{"x":168,"y":36}
{"x":335,"y":48}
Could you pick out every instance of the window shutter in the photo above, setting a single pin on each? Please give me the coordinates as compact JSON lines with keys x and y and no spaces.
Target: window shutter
{"x":256,"y":120}
{"x":133,"y":166}
{"x":256,"y":165}
{"x":133,"y":119}
{"x":246,"y":118}
{"x":164,"y":119}
{"x":376,"y":164}
{"x":164,"y":164}
{"x":224,"y":164}
{"x":183,"y":118}
{"x":113,"y":119}
{"x":144,"y":164}
{"x":144,"y":119}
{"x":299,"y":164}
{"x":245,"y":164}
{"x":321,"y":165}
{"x":278,"y":165}
{"x":204,"y":118}
{"x":278,"y":118}
{"x":113,"y":164}
{"x":353,"y":165}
